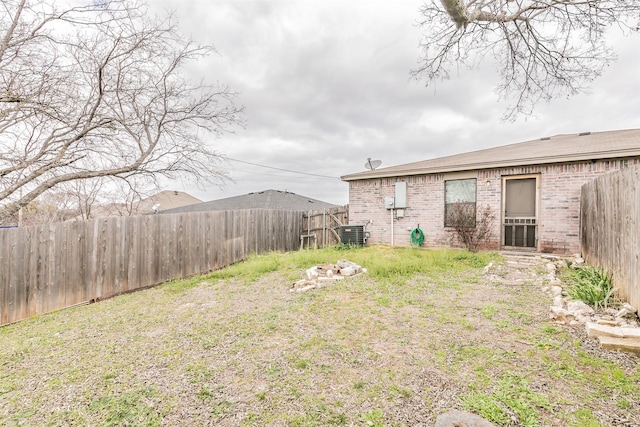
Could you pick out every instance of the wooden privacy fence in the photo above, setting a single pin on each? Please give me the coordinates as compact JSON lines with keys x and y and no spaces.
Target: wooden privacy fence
{"x":322,"y":228}
{"x":52,"y":266}
{"x":610,"y":228}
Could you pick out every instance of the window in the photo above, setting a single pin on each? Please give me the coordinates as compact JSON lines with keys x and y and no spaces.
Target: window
{"x":460,"y":203}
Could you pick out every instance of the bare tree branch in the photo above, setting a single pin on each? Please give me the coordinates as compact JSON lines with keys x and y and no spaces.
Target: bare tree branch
{"x":544,"y":49}
{"x":99,"y":91}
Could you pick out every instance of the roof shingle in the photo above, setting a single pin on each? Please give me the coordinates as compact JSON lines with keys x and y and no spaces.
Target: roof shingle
{"x":555,"y":149}
{"x":268,"y":199}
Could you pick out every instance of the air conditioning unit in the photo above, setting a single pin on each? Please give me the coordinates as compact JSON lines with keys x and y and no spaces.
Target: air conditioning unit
{"x":352,"y":235}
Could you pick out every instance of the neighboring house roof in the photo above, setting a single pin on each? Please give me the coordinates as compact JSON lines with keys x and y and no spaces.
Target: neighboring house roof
{"x":168,"y":199}
{"x":555,"y":149}
{"x":268,"y":199}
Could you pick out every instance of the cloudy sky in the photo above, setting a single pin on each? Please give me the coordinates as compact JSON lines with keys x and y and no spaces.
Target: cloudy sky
{"x":326,"y":85}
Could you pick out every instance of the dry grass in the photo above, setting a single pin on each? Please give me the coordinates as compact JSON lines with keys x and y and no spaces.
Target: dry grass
{"x":422,"y":333}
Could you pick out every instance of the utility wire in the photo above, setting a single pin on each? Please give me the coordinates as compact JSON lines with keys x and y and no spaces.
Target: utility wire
{"x":280,"y":169}
{"x":277,"y":175}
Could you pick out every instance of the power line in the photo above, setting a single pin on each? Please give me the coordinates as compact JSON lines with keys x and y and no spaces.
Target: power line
{"x":277,"y":175}
{"x":280,"y":169}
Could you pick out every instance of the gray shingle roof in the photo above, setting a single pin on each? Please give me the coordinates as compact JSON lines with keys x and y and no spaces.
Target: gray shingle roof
{"x":268,"y":199}
{"x":555,"y":149}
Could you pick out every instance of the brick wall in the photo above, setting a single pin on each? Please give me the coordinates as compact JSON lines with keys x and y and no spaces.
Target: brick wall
{"x":559,"y":210}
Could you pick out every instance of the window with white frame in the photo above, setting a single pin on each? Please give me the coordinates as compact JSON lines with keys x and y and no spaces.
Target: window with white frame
{"x":460,"y":203}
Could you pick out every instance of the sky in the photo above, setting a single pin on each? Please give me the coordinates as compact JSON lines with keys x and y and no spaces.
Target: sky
{"x":326,"y":85}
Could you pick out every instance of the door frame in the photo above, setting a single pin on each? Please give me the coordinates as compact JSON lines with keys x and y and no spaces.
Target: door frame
{"x":503,"y":211}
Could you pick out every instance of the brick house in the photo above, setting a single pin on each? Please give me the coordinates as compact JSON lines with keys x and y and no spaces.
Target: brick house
{"x":532,"y":187}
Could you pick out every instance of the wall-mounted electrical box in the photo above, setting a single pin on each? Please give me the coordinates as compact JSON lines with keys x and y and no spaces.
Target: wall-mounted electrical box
{"x":401,"y":195}
{"x":389,"y":202}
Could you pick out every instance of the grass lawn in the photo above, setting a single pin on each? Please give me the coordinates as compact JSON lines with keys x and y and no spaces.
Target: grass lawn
{"x":421,"y":333}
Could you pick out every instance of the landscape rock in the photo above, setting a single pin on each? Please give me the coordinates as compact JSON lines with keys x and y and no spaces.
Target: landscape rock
{"x":551,"y":267}
{"x":579,"y":308}
{"x":343,"y":263}
{"x":302,"y":286}
{"x":488,"y":267}
{"x":321,"y":274}
{"x":347,"y":271}
{"x":625,"y":344}
{"x":330,"y":278}
{"x":312,"y":273}
{"x":597,"y":329}
{"x":629,"y":331}
{"x":624,"y":311}
{"x":327,"y":269}
{"x":611,"y":312}
{"x":554,"y":281}
{"x":608,"y":322}
{"x":560,"y":314}
{"x":577,"y":262}
{"x":457,"y":418}
{"x":583,"y":319}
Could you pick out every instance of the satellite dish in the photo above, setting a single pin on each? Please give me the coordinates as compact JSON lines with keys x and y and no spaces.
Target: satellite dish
{"x":372,"y":164}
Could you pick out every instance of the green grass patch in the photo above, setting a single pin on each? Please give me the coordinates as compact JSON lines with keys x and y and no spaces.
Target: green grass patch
{"x":591,"y":285}
{"x":511,"y":397}
{"x":489,"y":311}
{"x":249,"y":270}
{"x":142,"y":407}
{"x":373,"y":418}
{"x":584,"y":417}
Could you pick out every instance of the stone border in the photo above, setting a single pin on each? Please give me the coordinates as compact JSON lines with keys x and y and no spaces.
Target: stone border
{"x":616,"y":329}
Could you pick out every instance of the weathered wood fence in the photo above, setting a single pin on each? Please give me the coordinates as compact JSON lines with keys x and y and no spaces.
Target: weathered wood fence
{"x":610,"y":228}
{"x":52,"y":266}
{"x":322,"y":228}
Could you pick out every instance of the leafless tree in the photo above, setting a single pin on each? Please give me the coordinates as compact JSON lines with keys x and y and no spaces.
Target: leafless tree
{"x":84,"y":199}
{"x":84,"y":195}
{"x":38,"y":212}
{"x":124,"y":196}
{"x":99,"y":90}
{"x":48,"y":208}
{"x":92,"y":197}
{"x":543,"y":48}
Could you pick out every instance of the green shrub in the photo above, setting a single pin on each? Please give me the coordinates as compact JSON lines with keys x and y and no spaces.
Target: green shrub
{"x":591,"y":285}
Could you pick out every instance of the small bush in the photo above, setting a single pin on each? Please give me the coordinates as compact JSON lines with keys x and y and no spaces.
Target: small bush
{"x":471,"y":229}
{"x":591,"y":285}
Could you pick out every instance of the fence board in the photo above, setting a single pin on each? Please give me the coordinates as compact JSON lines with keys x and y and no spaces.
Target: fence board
{"x":30,"y":262}
{"x":4,"y":271}
{"x":610,"y":228}
{"x":15,"y":305}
